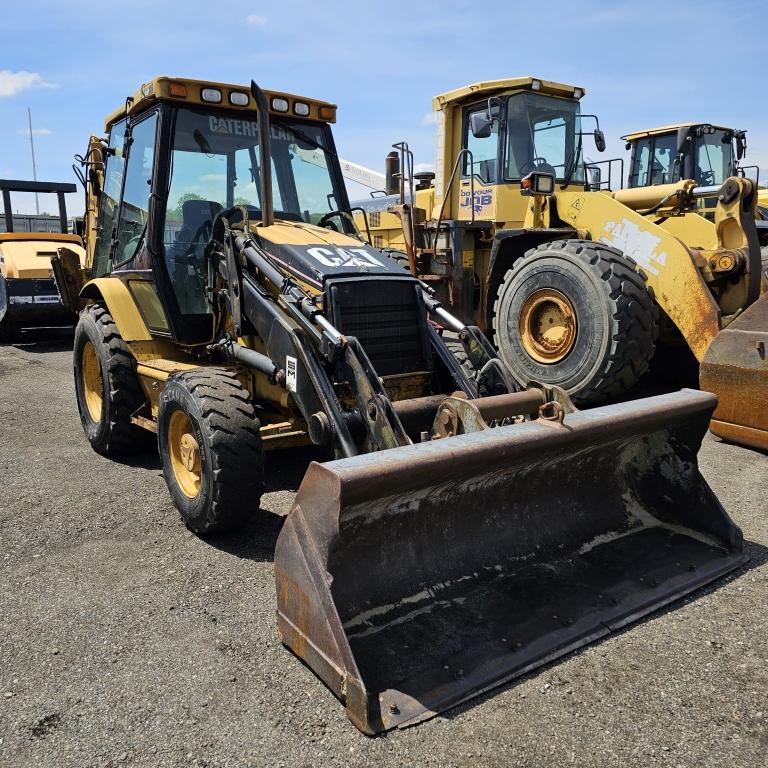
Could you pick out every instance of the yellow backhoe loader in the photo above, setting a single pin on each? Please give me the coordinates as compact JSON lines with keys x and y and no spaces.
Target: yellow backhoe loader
{"x":519,"y":235}
{"x":462,"y":532}
{"x":28,"y":294}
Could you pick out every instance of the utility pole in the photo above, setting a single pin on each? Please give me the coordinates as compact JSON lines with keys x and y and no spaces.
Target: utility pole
{"x":34,"y":169}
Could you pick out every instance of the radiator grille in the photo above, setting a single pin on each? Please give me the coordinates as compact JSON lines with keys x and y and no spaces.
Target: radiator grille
{"x":386,"y":318}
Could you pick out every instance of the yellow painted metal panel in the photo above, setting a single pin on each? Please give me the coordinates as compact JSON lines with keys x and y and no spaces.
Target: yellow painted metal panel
{"x":121,"y":305}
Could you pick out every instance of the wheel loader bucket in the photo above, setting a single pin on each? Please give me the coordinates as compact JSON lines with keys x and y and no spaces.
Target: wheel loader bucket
{"x":735,"y":368}
{"x":412,"y":579}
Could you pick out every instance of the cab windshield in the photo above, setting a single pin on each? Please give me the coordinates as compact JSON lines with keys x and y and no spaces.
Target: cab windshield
{"x":543,"y":133}
{"x":215,"y":165}
{"x":714,"y":158}
{"x":216,"y":161}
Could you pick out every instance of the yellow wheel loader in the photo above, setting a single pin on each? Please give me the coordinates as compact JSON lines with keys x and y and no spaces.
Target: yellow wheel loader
{"x":706,"y":153}
{"x":579,"y":285}
{"x":28,"y":292}
{"x":461,"y":532}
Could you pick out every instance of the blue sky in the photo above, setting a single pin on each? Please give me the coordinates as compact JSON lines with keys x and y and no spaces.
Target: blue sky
{"x":642,"y":64}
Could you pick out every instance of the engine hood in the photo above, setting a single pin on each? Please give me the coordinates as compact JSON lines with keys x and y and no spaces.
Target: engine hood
{"x":314,"y":254}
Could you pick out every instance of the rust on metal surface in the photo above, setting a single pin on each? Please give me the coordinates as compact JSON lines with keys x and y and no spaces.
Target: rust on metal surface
{"x":414,"y":578}
{"x":547,"y":326}
{"x":735,"y":368}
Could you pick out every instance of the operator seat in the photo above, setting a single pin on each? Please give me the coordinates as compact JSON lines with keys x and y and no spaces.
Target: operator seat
{"x":185,"y":258}
{"x":196,"y":221}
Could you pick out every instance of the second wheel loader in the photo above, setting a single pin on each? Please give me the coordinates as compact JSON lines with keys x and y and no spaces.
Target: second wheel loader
{"x":579,"y":285}
{"x":462,"y":532}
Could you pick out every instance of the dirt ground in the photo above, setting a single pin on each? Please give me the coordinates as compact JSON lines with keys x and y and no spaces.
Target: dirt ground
{"x":126,"y":640}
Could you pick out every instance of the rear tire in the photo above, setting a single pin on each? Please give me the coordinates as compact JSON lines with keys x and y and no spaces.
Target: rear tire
{"x":107,"y":387}
{"x":576,"y":314}
{"x":211,"y":451}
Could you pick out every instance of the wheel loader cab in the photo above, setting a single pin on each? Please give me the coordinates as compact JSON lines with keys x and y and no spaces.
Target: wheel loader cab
{"x":706,"y":153}
{"x":174,"y":162}
{"x":504,"y":138}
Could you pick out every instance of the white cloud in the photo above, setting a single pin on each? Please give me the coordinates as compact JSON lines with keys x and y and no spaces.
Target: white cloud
{"x":35,"y":132}
{"x":257,"y":20}
{"x":212,"y":177}
{"x":429,"y":119}
{"x":12,"y":83}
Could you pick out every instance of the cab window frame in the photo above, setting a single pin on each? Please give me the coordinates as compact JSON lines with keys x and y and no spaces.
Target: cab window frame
{"x":197,"y":329}
{"x":467,"y":111}
{"x":131,"y":126}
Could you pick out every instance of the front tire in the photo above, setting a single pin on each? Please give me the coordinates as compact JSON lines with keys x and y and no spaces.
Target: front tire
{"x":107,"y":387}
{"x":576,"y":314}
{"x":210,"y":448}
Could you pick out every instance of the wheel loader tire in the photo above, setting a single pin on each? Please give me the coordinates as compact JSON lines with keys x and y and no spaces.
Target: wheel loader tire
{"x":576,"y":314}
{"x":107,"y":387}
{"x":10,"y":332}
{"x":211,"y":451}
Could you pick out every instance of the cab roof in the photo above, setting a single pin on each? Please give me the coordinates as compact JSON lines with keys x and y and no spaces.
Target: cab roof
{"x":189,"y":91}
{"x":669,"y":129}
{"x":494,"y":87}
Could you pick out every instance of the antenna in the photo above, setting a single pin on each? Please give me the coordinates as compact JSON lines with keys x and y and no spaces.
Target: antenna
{"x":34,"y":169}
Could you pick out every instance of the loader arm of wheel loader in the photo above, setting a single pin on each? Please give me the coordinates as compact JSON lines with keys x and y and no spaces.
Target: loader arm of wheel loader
{"x":680,"y":275}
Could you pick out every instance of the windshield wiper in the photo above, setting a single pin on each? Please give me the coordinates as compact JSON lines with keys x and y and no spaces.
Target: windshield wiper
{"x":303,"y":136}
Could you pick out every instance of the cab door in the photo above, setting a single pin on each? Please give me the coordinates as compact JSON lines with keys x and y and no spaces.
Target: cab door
{"x":480,"y":169}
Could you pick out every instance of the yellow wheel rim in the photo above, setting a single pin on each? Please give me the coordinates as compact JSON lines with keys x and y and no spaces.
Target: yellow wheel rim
{"x":547,"y":326}
{"x":92,"y":384}
{"x":184,"y":453}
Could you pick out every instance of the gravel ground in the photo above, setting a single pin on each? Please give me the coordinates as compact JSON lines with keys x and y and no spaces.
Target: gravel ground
{"x":126,"y":640}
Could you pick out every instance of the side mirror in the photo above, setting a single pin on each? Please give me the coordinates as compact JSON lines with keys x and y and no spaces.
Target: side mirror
{"x":480,"y":123}
{"x":741,"y":145}
{"x":682,"y":138}
{"x":599,"y":140}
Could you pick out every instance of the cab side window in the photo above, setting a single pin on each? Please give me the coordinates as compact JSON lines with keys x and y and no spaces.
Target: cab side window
{"x":485,"y":152}
{"x":134,"y":209}
{"x":663,"y":166}
{"x":110,"y":200}
{"x":638,"y":175}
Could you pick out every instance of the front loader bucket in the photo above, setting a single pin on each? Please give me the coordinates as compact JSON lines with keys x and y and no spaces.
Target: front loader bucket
{"x":735,"y":368}
{"x":412,"y":579}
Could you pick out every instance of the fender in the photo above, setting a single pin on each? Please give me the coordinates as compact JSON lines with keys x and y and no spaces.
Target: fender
{"x":121,"y":305}
{"x":510,"y":244}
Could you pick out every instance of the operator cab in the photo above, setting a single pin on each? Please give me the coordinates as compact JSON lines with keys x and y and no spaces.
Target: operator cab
{"x":707,"y":153}
{"x":520,"y":126}
{"x":181,"y":153}
{"x":508,"y":137}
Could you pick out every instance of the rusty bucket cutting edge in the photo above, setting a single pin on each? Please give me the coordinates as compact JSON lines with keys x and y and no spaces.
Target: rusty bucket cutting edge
{"x":413,"y":579}
{"x":735,"y":368}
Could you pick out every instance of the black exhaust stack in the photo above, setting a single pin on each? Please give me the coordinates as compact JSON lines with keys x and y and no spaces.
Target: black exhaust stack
{"x":392,"y":173}
{"x":265,"y":156}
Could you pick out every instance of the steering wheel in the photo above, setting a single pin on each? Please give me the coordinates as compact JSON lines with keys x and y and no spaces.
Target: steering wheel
{"x":325,"y":221}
